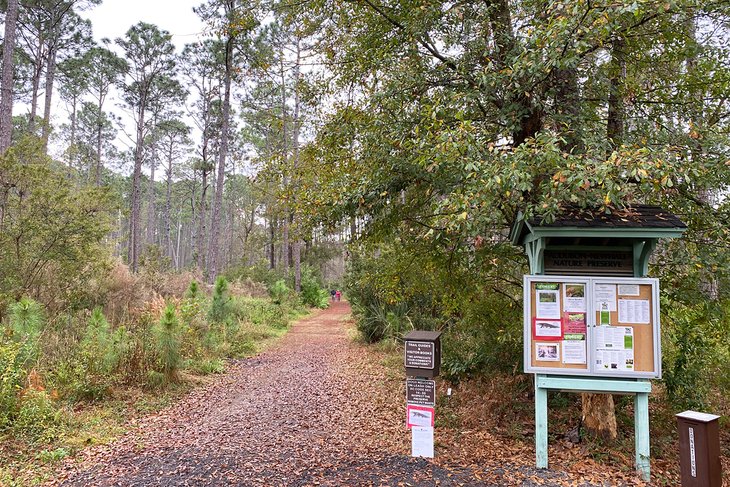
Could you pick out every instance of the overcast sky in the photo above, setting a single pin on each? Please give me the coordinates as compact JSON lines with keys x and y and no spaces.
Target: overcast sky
{"x":113,"y":18}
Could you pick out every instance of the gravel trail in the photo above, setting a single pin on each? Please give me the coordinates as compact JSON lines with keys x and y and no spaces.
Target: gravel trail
{"x":310,"y":411}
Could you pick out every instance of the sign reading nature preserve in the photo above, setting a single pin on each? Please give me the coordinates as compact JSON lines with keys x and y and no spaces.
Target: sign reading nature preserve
{"x":606,"y":326}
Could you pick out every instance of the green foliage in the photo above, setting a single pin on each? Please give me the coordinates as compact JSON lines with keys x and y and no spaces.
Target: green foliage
{"x":167,"y":339}
{"x":279,"y":291}
{"x":208,"y":366}
{"x":51,"y":229}
{"x":193,"y":292}
{"x":220,"y":306}
{"x":313,"y":294}
{"x":38,"y":418}
{"x":26,"y":323}
{"x":26,"y":320}
{"x":12,"y":375}
{"x":690,"y":351}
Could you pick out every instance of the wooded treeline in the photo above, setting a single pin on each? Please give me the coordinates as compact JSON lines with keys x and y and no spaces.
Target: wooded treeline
{"x":213,"y":132}
{"x":449,"y":118}
{"x":419,"y":129}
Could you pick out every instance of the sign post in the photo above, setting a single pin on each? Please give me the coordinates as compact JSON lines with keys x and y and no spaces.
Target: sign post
{"x":422,"y":360}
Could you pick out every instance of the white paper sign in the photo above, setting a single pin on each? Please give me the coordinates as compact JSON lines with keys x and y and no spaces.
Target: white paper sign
{"x":574,"y":351}
{"x":629,"y":290}
{"x":422,"y":441}
{"x":548,"y":304}
{"x":633,"y":311}
{"x":605,"y":293}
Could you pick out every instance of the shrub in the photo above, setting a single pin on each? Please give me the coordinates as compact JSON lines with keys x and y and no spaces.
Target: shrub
{"x":26,"y":323}
{"x":686,"y":357}
{"x":167,"y":337}
{"x":279,"y":292}
{"x":38,"y":418}
{"x":220,"y":308}
{"x":312,"y":292}
{"x":12,"y":375}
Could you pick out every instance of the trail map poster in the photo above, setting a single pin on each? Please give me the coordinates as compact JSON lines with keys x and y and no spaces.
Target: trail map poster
{"x":592,"y":326}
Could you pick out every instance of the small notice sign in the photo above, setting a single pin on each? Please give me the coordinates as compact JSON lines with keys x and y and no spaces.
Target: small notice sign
{"x":420,"y":355}
{"x":420,"y":416}
{"x":422,"y":441}
{"x":421,"y":392}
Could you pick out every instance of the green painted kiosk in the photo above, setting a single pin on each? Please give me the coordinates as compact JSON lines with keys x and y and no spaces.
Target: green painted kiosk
{"x":591,"y":316}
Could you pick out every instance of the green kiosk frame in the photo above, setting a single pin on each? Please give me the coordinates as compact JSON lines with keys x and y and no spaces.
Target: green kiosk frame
{"x":606,"y":258}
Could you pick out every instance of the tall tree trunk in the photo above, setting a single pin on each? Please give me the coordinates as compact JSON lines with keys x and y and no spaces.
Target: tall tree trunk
{"x":272,"y":243}
{"x":296,"y":247}
{"x":568,"y":108}
{"x":151,"y":210}
{"x":214,"y":244}
{"x":200,"y":259}
{"x":285,"y":160}
{"x":135,"y":226}
{"x":35,"y":86}
{"x":50,"y":76}
{"x":168,"y":202}
{"x":6,"y":89}
{"x":97,"y":155}
{"x":72,"y":141}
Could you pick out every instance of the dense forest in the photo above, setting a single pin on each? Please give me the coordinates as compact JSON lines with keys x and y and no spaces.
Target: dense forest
{"x":399,"y":138}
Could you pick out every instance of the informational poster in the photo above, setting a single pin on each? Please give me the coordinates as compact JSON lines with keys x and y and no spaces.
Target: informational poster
{"x":574,"y":298}
{"x":614,"y":347}
{"x":548,"y":352}
{"x":629,"y":289}
{"x":548,"y":301}
{"x":605,"y":293}
{"x":548,"y":329}
{"x":574,"y":351}
{"x":634,"y":311}
{"x":419,"y":415}
{"x":592,"y":326}
{"x":422,"y":441}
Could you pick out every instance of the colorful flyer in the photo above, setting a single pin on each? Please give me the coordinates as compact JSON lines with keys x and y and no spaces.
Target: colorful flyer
{"x":419,"y":415}
{"x":547,"y":329}
{"x":574,"y":298}
{"x":575,"y":323}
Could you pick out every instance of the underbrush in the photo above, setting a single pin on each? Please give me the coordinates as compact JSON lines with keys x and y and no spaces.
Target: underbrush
{"x":61,"y":375}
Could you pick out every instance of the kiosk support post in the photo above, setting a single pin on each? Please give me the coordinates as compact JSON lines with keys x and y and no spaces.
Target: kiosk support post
{"x":640,"y":388}
{"x":641,"y":434}
{"x":541,"y":425}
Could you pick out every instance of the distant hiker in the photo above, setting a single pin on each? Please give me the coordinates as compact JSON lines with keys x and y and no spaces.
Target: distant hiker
{"x":333,"y":293}
{"x":338,"y":294}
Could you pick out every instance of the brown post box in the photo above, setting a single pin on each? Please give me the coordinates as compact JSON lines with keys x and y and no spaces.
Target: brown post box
{"x":423,"y":353}
{"x":699,"y":449}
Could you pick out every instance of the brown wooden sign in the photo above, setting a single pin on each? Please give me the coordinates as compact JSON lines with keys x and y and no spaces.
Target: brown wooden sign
{"x":589,"y":263}
{"x":420,"y":355}
{"x":421,"y":392}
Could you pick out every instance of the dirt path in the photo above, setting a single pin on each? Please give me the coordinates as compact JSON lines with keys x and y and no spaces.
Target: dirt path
{"x":311,"y":411}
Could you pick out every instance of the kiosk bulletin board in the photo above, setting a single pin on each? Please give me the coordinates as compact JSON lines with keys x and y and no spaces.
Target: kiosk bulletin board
{"x":607,"y":326}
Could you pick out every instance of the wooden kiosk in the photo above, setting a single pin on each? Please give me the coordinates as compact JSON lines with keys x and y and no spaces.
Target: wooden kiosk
{"x":591,"y":316}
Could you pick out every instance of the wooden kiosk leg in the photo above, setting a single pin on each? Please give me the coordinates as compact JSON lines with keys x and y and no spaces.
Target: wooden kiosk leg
{"x":641,"y":434}
{"x":541,"y":425}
